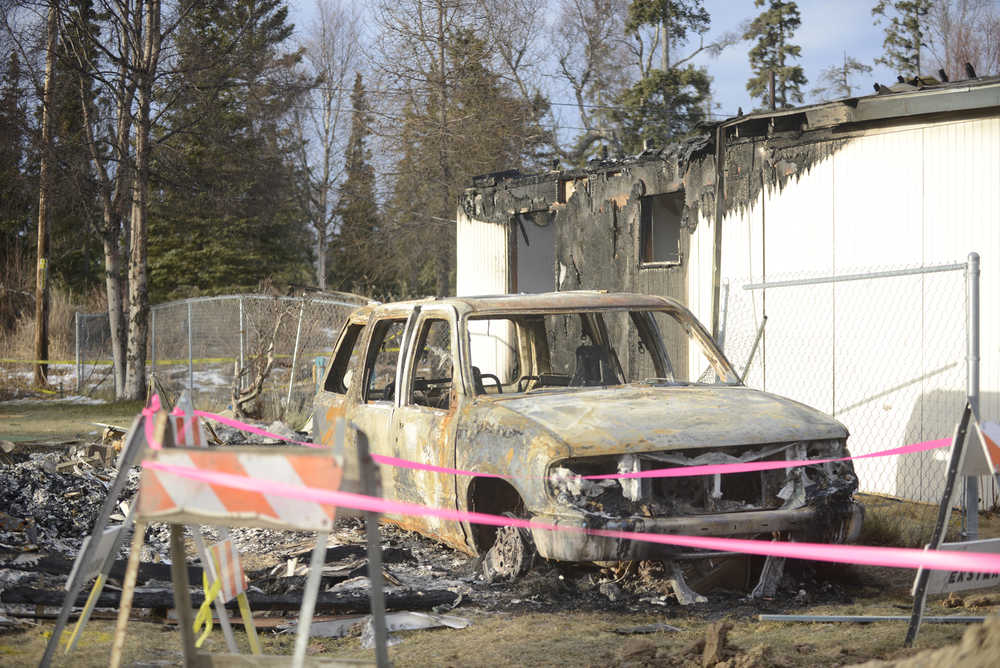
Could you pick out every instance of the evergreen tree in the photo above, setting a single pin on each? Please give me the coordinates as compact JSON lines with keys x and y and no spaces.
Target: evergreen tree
{"x":358,"y":259}
{"x":16,"y":201}
{"x":905,"y":32}
{"x":773,"y":29}
{"x":837,"y":79}
{"x":668,"y":101}
{"x":75,"y":249}
{"x":225,"y":211}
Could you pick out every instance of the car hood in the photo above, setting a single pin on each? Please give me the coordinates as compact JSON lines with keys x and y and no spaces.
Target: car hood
{"x":649,"y":418}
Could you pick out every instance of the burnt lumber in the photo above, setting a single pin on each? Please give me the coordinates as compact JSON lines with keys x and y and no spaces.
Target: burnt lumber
{"x":348,"y":602}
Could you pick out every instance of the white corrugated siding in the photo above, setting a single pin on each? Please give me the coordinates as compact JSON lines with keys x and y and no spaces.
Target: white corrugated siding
{"x":887,"y":357}
{"x":482,"y":266}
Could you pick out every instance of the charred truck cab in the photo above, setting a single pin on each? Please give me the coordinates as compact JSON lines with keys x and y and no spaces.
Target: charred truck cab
{"x":549,"y":388}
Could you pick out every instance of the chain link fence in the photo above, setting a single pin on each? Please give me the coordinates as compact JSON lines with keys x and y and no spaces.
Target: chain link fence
{"x":883,"y":350}
{"x":200,"y":344}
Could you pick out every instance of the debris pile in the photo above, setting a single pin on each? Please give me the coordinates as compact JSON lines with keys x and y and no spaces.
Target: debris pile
{"x":50,"y":502}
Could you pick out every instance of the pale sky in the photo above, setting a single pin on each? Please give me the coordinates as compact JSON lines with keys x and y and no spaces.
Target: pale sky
{"x":829,"y":28}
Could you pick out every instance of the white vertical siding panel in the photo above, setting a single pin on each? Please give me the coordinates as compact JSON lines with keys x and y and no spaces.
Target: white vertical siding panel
{"x":798,"y":241}
{"x":878,"y":213}
{"x":482,"y":261}
{"x":699,"y":269}
{"x":962,"y":214}
{"x":742,"y":262}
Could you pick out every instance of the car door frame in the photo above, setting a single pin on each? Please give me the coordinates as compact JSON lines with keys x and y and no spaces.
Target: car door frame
{"x":414,"y":424}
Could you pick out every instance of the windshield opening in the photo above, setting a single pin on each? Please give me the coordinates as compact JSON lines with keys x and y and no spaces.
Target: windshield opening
{"x":513,"y":353}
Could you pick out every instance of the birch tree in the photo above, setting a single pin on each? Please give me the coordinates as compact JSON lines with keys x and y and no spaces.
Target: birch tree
{"x":332,"y":53}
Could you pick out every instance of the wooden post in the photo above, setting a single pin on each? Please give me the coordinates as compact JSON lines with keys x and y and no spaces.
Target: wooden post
{"x":44,"y":194}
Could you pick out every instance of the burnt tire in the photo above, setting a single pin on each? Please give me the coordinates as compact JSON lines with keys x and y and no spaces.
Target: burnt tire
{"x":511,"y":555}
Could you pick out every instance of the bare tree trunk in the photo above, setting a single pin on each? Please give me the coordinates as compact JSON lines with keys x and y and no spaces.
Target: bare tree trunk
{"x":112,"y":192}
{"x":44,"y":187}
{"x":138,"y":308}
{"x":444,"y":249}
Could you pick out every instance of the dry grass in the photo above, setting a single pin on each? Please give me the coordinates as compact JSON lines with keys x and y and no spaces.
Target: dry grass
{"x":18,"y":342}
{"x":566,"y":638}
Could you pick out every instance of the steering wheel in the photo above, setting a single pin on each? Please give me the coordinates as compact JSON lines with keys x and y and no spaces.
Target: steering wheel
{"x":495,"y":379}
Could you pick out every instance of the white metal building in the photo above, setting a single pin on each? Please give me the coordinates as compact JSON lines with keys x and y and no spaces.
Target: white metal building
{"x":907,"y":178}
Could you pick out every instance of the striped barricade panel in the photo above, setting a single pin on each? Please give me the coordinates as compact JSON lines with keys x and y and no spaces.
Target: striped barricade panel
{"x":168,"y":497}
{"x":188,"y":430}
{"x":228,"y":568}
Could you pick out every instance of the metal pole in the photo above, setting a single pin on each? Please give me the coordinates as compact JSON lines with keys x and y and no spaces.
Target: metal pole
{"x":79,"y":367}
{"x":376,"y":592}
{"x":242,"y":341}
{"x":723,"y":316}
{"x":190,"y":355}
{"x":152,"y":340}
{"x":295,"y":357}
{"x":753,"y":350}
{"x":972,"y":362}
{"x":303,"y":631}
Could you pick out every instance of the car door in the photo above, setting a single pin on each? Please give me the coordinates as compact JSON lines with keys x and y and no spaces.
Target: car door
{"x":377,"y":387}
{"x":423,"y":427}
{"x":335,"y":394}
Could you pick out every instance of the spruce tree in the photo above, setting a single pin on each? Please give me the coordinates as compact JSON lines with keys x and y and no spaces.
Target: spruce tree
{"x":905,"y":32}
{"x":226,"y":214}
{"x":667,"y":101}
{"x":837,"y":80}
{"x":773,"y":29}
{"x":357,"y":254}
{"x":16,"y":206}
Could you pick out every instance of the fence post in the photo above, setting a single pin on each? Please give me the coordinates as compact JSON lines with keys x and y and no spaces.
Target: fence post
{"x":190,"y":354}
{"x":295,"y":357}
{"x":152,"y":344}
{"x":242,"y":340}
{"x":79,"y":367}
{"x":972,"y":364}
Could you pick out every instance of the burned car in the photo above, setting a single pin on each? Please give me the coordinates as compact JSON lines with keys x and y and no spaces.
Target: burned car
{"x":549,"y":388}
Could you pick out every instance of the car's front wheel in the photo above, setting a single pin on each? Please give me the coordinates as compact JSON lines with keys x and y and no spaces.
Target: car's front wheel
{"x":511,"y":555}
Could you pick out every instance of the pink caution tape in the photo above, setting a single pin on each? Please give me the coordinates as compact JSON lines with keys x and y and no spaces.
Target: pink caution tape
{"x":673,"y":472}
{"x":893,"y":557}
{"x":148,"y":412}
{"x":684,"y":471}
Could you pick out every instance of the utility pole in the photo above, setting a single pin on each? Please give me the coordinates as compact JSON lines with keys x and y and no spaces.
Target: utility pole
{"x":44,"y":195}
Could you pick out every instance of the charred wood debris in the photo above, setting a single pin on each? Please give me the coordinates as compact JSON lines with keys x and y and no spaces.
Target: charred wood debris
{"x":50,"y":494}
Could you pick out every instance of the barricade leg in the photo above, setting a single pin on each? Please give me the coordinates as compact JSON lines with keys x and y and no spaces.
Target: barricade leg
{"x":128,"y":589}
{"x":248,"y":623}
{"x":376,"y":595}
{"x":182,"y":597}
{"x":309,"y":598}
{"x":95,"y":593}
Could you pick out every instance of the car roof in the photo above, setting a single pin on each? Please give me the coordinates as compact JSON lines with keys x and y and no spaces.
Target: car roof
{"x":549,"y":301}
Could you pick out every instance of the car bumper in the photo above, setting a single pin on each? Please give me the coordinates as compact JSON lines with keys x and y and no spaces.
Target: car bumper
{"x":807,"y":523}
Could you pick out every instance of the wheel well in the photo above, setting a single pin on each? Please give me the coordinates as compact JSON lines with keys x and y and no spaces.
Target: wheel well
{"x":494,"y":497}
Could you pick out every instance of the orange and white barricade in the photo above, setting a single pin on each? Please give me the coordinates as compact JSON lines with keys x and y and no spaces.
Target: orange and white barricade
{"x":180,"y":498}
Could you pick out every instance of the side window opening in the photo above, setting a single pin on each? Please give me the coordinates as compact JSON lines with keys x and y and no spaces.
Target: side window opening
{"x":342,"y":369}
{"x":380,"y":365}
{"x":660,"y":219}
{"x":433,"y":366}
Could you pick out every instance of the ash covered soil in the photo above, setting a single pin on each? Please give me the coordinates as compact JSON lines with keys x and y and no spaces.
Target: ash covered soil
{"x":556,"y":613}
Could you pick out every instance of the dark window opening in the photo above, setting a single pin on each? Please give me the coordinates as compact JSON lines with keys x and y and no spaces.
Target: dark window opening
{"x":339,"y":380}
{"x":383,"y":353}
{"x":660,"y":228}
{"x":431,"y":379}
